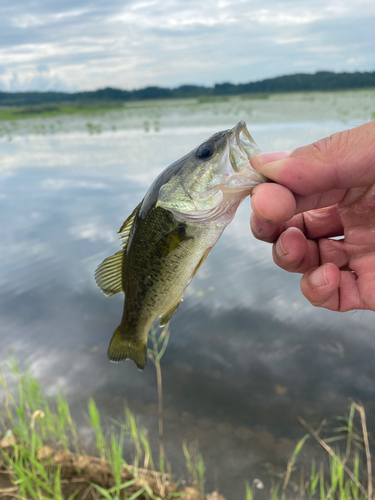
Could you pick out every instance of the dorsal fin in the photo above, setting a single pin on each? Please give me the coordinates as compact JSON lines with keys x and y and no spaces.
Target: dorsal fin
{"x":108,"y":276}
{"x":127,"y":226}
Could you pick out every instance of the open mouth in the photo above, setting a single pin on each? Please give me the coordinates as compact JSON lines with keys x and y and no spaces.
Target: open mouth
{"x":245,"y":142}
{"x":242,"y":147}
{"x":233,"y":180}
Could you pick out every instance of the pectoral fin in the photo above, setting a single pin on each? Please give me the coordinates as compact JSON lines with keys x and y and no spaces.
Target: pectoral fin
{"x":170,"y":241}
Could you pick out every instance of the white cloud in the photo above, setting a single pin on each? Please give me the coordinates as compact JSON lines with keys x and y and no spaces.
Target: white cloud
{"x":91,"y":231}
{"x":272,"y":18}
{"x":59,"y":184}
{"x":172,"y":42}
{"x":30,"y":20}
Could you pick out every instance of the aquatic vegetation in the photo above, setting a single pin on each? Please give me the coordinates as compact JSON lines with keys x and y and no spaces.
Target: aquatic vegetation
{"x":23,"y":112}
{"x":195,"y":465}
{"x":261,"y":95}
{"x":344,"y":480}
{"x":93,"y":128}
{"x":43,"y":458}
{"x":158,"y":114}
{"x":209,"y":99}
{"x":39,"y":439}
{"x":155,"y":353}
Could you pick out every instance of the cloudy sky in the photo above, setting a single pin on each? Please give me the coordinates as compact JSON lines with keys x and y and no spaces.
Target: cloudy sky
{"x":88,"y":44}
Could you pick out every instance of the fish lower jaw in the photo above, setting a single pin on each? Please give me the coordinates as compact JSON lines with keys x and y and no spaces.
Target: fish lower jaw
{"x":243,"y":181}
{"x":219,"y":216}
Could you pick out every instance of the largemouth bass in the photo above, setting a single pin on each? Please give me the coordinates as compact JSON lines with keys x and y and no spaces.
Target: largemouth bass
{"x":170,"y":233}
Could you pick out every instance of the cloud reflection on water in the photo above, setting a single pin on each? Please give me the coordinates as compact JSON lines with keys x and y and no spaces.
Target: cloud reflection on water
{"x":247,"y":355}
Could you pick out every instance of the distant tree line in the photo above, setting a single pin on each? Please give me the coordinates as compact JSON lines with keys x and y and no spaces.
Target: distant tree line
{"x":321,"y":80}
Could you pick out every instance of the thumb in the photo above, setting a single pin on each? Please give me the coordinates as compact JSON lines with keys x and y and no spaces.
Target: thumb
{"x":343,"y":160}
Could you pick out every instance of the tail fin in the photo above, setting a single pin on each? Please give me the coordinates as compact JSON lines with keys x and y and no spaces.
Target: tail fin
{"x":121,"y":348}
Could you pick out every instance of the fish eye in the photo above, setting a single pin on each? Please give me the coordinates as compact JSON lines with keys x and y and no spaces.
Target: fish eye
{"x":205,"y":151}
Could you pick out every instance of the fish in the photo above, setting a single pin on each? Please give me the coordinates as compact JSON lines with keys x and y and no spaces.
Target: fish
{"x":170,"y":233}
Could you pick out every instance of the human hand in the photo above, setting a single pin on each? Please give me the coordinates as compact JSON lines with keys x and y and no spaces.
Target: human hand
{"x":323,"y":190}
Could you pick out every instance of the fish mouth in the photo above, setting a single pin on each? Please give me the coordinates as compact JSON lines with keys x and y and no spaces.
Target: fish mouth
{"x":245,"y":142}
{"x":233,"y":180}
{"x":242,"y":147}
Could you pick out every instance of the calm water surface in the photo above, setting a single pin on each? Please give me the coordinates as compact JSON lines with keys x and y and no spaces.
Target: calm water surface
{"x":247,"y":354}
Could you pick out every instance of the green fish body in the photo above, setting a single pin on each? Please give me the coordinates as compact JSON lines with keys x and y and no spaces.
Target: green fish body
{"x":170,"y":233}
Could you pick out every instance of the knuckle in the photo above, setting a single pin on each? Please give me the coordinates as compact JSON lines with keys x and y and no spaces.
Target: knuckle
{"x":320,"y":297}
{"x":337,"y":144}
{"x":264,"y":231}
{"x":287,"y":262}
{"x":260,"y":235}
{"x":331,"y":151}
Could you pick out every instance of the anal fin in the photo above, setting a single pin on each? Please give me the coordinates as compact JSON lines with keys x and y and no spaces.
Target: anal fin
{"x":164,"y":318}
{"x":202,"y":259}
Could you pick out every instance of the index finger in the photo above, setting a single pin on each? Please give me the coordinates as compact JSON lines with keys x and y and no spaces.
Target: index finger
{"x":341,"y":161}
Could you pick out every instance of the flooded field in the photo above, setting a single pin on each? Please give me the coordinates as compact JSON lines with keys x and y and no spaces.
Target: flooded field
{"x":247,"y":354}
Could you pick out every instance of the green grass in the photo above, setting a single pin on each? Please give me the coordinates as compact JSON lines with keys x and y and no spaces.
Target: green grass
{"x":155,"y":353}
{"x":19,"y":113}
{"x":260,"y":96}
{"x":89,"y":109}
{"x":344,"y":479}
{"x":339,"y":482}
{"x":212,"y":98}
{"x":37,"y":431}
{"x":195,"y":466}
{"x":44,"y":460}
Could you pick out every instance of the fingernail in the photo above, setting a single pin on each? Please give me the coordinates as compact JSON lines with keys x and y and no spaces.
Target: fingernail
{"x":279,"y":249}
{"x":318,"y":277}
{"x":265,"y":158}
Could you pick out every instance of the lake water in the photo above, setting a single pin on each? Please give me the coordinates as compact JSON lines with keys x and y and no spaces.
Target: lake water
{"x":247,"y":354}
